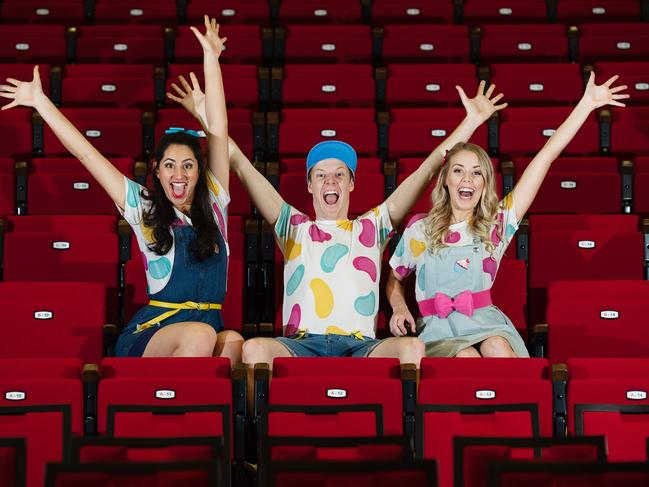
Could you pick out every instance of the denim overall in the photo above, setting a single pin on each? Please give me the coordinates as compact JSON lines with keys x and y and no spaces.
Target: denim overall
{"x":201,"y":282}
{"x":450,"y":271}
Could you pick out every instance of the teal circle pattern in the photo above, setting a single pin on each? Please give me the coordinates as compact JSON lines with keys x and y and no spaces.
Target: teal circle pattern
{"x":159,"y":268}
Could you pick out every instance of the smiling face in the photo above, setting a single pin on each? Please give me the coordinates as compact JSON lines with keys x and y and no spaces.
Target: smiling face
{"x":330,"y":183}
{"x":178,"y":173}
{"x":465,"y":181}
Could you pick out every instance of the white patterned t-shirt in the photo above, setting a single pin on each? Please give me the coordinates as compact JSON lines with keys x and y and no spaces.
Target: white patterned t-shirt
{"x":332,"y":271}
{"x":158,"y":267}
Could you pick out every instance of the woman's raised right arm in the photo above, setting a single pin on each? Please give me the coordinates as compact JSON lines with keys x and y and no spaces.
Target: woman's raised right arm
{"x":30,"y":94}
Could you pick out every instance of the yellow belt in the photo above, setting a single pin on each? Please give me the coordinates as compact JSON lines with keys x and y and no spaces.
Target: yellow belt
{"x":174,"y":307}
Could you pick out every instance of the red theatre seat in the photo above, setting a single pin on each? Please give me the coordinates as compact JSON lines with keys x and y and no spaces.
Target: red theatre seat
{"x":115,"y":132}
{"x":63,"y":186}
{"x":229,"y":12}
{"x":417,"y":131}
{"x":328,"y":44}
{"x":244,"y":48}
{"x":33,"y":44}
{"x":538,"y":84}
{"x":536,"y":42}
{"x":108,"y":85}
{"x":46,"y":248}
{"x":623,"y":41}
{"x":35,"y":12}
{"x":415,"y":12}
{"x":608,"y":396}
{"x":343,"y":85}
{"x":487,"y":397}
{"x":16,"y":126}
{"x":42,"y":402}
{"x":420,"y":85}
{"x":513,"y":12}
{"x":120,"y":44}
{"x":334,"y":12}
{"x":122,"y":12}
{"x":605,"y":11}
{"x":53,"y":319}
{"x":474,"y":455}
{"x":302,"y":128}
{"x":425,"y":44}
{"x":596,"y":319}
{"x":524,"y":131}
{"x":163,"y":397}
{"x":630,"y":131}
{"x":332,"y":397}
{"x":581,"y":247}
{"x":582,"y":185}
{"x":240,"y":82}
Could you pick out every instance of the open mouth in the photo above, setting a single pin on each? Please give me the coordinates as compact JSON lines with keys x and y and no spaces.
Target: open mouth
{"x":178,"y":190}
{"x":466,"y":193}
{"x":331,"y":197}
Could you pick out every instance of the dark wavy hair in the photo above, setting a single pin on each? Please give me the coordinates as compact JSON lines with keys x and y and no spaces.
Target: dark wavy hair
{"x":161,"y":214}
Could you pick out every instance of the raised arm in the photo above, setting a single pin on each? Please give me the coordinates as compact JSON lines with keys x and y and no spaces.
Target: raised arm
{"x":191,"y":98}
{"x":215,"y":111}
{"x":401,"y":318}
{"x":30,"y":94}
{"x":263,"y":194}
{"x":595,"y":96}
{"x":478,"y":110}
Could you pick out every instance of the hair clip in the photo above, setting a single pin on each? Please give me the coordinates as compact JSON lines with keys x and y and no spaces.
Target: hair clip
{"x":194,"y":133}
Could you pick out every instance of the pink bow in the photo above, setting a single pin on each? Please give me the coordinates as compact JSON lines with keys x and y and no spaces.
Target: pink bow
{"x":445,"y":305}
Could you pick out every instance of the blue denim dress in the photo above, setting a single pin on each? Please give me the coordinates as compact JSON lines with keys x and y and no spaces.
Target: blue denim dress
{"x":191,"y":280}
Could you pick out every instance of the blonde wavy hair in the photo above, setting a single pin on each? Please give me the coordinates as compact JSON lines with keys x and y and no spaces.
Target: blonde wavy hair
{"x":484,"y":214}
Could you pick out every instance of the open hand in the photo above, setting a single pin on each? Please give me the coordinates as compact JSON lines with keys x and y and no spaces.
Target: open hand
{"x":191,"y":97}
{"x":482,"y":106}
{"x":25,"y":93}
{"x":401,"y":320}
{"x":599,"y":95}
{"x":210,"y":41}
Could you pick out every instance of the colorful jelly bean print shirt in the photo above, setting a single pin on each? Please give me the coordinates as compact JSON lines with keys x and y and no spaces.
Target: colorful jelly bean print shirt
{"x":409,"y":254}
{"x":332,"y":271}
{"x":158,"y":267}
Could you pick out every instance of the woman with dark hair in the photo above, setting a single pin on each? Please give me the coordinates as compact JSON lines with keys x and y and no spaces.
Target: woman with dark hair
{"x":180,"y":224}
{"x":456,"y":248}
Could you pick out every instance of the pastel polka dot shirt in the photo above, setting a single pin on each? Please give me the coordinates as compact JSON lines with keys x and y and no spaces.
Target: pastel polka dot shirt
{"x":158,"y":267}
{"x":332,"y":271}
{"x":409,"y":253}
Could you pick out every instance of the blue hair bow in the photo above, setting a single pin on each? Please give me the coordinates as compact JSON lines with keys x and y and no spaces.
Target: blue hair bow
{"x":173,"y":130}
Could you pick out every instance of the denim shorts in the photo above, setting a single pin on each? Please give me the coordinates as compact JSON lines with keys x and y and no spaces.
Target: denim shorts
{"x":312,"y":345}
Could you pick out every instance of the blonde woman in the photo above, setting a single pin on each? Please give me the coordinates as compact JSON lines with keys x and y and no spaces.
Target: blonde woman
{"x":455,"y":249}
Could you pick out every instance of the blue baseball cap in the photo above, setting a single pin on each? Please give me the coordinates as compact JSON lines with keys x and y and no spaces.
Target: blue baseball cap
{"x":332,"y":149}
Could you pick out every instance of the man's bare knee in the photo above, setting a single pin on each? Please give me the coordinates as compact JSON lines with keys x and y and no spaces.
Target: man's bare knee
{"x":412,"y":350}
{"x":255,"y":351}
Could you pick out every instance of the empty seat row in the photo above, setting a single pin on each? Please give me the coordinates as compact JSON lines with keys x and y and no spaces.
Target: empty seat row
{"x":338,"y":12}
{"x":301,"y":43}
{"x":166,"y":398}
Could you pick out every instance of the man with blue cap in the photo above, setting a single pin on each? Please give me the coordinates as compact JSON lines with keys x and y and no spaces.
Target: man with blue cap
{"x":333,"y":264}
